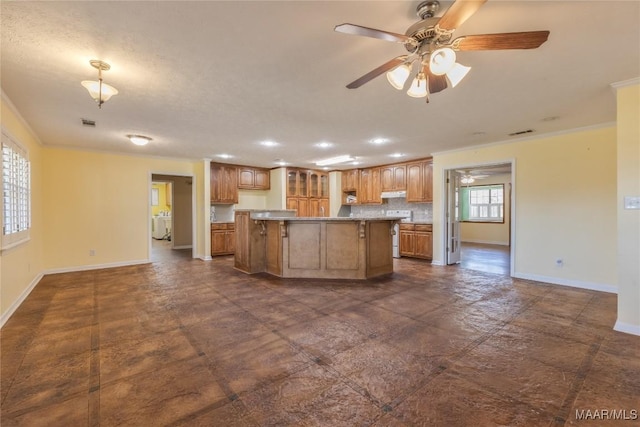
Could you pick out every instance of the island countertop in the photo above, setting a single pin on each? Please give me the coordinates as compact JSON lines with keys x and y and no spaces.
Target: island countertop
{"x":325,"y":218}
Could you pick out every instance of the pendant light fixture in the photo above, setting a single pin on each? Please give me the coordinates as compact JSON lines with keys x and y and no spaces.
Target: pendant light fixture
{"x":99,"y":91}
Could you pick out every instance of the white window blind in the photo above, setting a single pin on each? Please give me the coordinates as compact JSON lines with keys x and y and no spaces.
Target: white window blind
{"x":16,"y":192}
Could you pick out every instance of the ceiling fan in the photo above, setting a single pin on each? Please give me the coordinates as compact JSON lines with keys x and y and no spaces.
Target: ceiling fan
{"x":468,"y":177}
{"x":430,"y":44}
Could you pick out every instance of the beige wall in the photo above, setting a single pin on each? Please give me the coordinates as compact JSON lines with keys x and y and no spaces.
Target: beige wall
{"x":565,"y":205}
{"x":485,"y":232}
{"x":628,"y":233}
{"x":21,"y":267}
{"x":97,"y":201}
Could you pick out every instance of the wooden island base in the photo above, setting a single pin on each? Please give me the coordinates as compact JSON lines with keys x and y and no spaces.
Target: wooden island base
{"x":328,"y":248}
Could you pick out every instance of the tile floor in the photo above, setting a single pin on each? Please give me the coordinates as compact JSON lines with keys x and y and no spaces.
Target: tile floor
{"x":182,"y":342}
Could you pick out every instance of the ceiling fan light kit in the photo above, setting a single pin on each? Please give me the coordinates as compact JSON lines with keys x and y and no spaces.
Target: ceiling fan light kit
{"x":99,"y":91}
{"x":399,"y":75}
{"x":429,"y":41}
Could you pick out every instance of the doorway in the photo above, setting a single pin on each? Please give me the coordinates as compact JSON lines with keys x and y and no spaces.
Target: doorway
{"x":171,"y":219}
{"x":479,"y":201}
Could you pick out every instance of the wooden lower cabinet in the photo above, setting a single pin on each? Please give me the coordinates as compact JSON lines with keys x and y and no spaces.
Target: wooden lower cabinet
{"x":300,"y":204}
{"x":223,"y":239}
{"x":416,"y":240}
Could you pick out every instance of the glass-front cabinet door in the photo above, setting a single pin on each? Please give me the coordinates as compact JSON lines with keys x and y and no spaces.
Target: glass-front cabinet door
{"x":292,"y":183}
{"x":303,"y":187}
{"x":324,"y":185}
{"x":314,"y":186}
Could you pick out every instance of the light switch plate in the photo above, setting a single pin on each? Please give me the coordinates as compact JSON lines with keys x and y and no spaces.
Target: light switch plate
{"x":632,"y":202}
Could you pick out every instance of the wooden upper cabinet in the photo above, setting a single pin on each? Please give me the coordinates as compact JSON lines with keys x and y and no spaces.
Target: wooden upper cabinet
{"x":297,"y":183}
{"x":420,"y":181}
{"x":224,"y":184}
{"x":393,"y":178}
{"x":250,"y":178}
{"x":350,"y":180}
{"x":369,"y":191}
{"x":324,"y":186}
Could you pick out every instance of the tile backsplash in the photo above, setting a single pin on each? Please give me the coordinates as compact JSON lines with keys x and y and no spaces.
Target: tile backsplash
{"x":422,"y":212}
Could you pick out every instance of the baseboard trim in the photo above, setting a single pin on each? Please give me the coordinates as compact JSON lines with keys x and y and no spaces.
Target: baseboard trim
{"x":602,"y":287}
{"x":487,"y":242}
{"x":96,"y":266}
{"x":20,"y":299}
{"x":206,"y":258}
{"x":436,"y":262}
{"x":183,"y":247}
{"x":627,"y":328}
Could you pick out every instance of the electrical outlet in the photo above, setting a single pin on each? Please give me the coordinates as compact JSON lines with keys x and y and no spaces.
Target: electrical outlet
{"x":92,"y":252}
{"x":559,"y":262}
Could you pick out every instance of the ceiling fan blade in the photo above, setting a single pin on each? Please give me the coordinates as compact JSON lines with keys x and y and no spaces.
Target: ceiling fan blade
{"x":358,"y":30}
{"x":436,"y":83}
{"x":460,"y":11}
{"x":387,"y":66}
{"x":522,"y":40}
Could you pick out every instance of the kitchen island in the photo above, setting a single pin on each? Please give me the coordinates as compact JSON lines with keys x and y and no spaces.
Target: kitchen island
{"x":317,"y":247}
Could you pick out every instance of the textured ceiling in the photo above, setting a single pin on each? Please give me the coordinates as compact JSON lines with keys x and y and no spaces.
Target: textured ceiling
{"x":211,"y":77}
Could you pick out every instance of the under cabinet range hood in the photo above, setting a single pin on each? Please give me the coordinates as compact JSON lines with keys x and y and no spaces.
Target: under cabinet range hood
{"x":393,"y":194}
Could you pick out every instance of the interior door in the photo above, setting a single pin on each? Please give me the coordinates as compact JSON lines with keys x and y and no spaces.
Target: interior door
{"x":453,"y":217}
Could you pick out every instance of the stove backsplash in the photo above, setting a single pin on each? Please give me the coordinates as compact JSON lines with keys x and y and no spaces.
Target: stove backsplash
{"x":422,"y":212}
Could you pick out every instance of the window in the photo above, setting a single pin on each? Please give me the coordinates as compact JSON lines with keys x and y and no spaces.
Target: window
{"x":484,"y":203}
{"x":16,"y":192}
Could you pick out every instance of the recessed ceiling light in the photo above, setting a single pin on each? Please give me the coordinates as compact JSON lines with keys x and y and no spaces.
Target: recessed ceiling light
{"x":356,"y":163}
{"x":225,"y":156}
{"x":139,"y":139}
{"x":324,"y":144}
{"x":396,"y":155}
{"x":478,"y":133}
{"x":550,"y":119}
{"x":269,"y":143}
{"x":379,"y":141}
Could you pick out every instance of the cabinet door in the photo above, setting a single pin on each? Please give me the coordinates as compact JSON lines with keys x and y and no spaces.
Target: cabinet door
{"x":303,"y":184}
{"x":415,"y":182}
{"x":424,"y":245}
{"x":427,"y":181}
{"x":324,"y":207}
{"x":386,"y":178}
{"x":303,"y":206}
{"x":292,"y":183}
{"x":246,"y":178}
{"x":314,"y":207}
{"x":218,"y":242}
{"x":262,"y":179}
{"x":229,"y":190}
{"x":314,"y":184}
{"x":364,"y":195}
{"x":407,"y":243}
{"x":230,"y":242}
{"x":292,"y":203}
{"x":375,"y":197}
{"x":399,"y":178}
{"x":324,"y":185}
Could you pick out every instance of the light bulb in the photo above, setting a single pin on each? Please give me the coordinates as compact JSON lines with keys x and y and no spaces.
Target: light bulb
{"x":456,"y":74}
{"x":418,"y":88}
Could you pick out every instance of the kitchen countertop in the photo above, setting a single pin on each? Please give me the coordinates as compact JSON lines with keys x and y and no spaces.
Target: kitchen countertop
{"x":324,"y":218}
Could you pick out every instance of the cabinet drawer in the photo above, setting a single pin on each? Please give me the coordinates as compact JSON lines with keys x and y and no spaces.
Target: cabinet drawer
{"x":407,"y":227}
{"x":222,"y":226}
{"x":424,"y":227}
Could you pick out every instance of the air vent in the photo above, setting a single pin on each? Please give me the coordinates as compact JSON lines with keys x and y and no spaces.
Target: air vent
{"x":87,"y":122}
{"x":522,"y":132}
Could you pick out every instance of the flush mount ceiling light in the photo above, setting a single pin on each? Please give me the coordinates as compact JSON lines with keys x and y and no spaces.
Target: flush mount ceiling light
{"x":324,"y":144}
{"x":225,"y":156}
{"x":430,"y":42}
{"x":269,"y":143}
{"x":99,"y":91}
{"x":335,"y":160}
{"x":139,"y":139}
